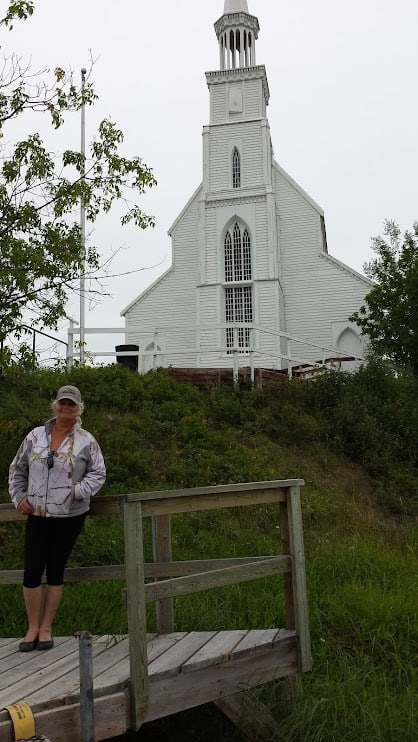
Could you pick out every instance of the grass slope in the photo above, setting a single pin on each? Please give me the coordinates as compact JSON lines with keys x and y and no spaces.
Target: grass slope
{"x":359,"y":506}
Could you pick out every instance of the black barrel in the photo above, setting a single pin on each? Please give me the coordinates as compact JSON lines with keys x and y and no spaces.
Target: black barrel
{"x":130,"y":362}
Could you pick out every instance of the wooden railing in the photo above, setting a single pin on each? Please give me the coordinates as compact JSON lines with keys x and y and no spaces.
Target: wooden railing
{"x":185,"y":577}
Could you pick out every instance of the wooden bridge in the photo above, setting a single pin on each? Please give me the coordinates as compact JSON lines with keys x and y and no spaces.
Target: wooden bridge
{"x":146,"y":676}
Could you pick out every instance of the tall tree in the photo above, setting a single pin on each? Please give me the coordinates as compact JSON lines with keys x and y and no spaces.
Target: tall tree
{"x":390,"y":315}
{"x":41,"y":251}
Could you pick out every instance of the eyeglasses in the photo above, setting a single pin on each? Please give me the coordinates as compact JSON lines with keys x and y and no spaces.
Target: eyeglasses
{"x":50,"y":460}
{"x":68,"y":402}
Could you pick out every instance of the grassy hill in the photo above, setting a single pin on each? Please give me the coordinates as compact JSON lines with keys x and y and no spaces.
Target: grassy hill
{"x":351,"y":438}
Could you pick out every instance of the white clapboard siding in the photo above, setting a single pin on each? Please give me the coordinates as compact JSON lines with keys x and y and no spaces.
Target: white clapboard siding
{"x":218,"y":104}
{"x":329,"y":295}
{"x":267,"y":315}
{"x":211,"y":247}
{"x":262,"y":257}
{"x":253,"y":99}
{"x":253,"y":162}
{"x":172,"y":300}
{"x":210,"y":310}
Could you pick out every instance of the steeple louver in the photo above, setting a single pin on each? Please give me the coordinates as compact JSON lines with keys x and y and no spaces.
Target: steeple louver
{"x":237,"y":31}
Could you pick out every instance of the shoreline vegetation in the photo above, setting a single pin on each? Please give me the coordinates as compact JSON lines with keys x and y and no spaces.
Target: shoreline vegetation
{"x":352,"y":438}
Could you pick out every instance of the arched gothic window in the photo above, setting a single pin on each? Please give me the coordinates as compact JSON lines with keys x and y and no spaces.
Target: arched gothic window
{"x":238,"y":299}
{"x":236,"y":169}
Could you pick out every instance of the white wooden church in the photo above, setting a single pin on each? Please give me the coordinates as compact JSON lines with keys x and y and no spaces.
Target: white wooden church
{"x":251,"y":274}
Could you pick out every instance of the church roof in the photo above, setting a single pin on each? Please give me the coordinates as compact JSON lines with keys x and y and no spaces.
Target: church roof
{"x":235,"y":6}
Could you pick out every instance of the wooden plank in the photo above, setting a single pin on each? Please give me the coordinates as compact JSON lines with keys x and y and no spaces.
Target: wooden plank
{"x":117,"y":674}
{"x":62,"y":724}
{"x":161,"y":551}
{"x":250,"y":715}
{"x":4,"y":641}
{"x":299,"y":579}
{"x":110,"y":667}
{"x":106,"y":505}
{"x":216,"y":578}
{"x":285,"y":635}
{"x":9,"y":646}
{"x":21,"y":665}
{"x":217,"y":650}
{"x":254,"y":641}
{"x":71,"y":574}
{"x":118,"y":571}
{"x":182,"y":568}
{"x":69,"y":687}
{"x":137,"y":620}
{"x":219,"y":489}
{"x":160,"y":644}
{"x":108,"y":680}
{"x":93,"y":574}
{"x":111,"y":675}
{"x":189,"y":689}
{"x":9,"y":514}
{"x":210,"y":502}
{"x":102,"y":505}
{"x":171,"y":662}
{"x":48,"y":679}
{"x":11,"y":577}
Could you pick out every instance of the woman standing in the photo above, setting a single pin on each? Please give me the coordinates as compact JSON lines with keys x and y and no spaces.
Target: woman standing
{"x":57,"y":469}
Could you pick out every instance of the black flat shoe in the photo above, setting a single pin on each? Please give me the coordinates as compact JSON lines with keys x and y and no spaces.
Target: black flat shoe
{"x":28,"y":646}
{"x":45,"y":645}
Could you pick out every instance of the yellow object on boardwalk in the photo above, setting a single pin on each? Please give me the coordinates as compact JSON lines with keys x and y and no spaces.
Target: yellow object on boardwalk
{"x":23,"y":721}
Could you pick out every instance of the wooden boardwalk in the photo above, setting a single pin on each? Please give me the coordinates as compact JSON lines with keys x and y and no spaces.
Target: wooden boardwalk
{"x":149,"y":676}
{"x":185,"y":669}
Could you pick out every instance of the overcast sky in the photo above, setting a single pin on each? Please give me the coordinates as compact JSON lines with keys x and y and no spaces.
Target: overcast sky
{"x":343,"y":109}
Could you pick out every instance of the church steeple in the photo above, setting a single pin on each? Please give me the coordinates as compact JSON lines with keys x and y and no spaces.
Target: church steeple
{"x":235,"y":6}
{"x":237,"y":32}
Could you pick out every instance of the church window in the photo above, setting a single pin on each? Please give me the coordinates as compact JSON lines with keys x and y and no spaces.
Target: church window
{"x":237,"y":250}
{"x":238,"y":298}
{"x":236,"y":169}
{"x":237,"y":253}
{"x":246,"y":256}
{"x":229,"y":269}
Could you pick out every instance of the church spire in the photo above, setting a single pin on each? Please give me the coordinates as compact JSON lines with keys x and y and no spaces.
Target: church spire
{"x":237,"y":31}
{"x":235,"y":6}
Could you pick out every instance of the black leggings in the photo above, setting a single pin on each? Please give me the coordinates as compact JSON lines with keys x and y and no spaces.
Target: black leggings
{"x":48,"y":544}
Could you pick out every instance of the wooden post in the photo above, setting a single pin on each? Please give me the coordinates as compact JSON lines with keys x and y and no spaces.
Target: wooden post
{"x":137,"y":621}
{"x":250,"y":715}
{"x":85,"y":654}
{"x":236,"y":367}
{"x":287,"y":577}
{"x":252,"y":356}
{"x":161,"y":552}
{"x":289,"y":362}
{"x":300,"y":599}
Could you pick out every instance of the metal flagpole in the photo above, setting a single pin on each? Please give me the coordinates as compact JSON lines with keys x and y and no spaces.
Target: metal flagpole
{"x":83,"y":227}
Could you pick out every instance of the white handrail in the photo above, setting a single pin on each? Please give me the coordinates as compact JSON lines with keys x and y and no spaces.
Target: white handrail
{"x":220,"y":326}
{"x":240,"y":356}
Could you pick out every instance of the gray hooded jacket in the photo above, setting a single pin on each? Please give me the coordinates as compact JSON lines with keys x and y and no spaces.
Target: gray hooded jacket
{"x":65,"y":489}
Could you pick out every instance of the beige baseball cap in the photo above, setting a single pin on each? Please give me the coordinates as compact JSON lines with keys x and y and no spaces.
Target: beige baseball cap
{"x":69,"y":392}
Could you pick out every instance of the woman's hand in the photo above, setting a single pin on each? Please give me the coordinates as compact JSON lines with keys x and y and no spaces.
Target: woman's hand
{"x":25,"y":508}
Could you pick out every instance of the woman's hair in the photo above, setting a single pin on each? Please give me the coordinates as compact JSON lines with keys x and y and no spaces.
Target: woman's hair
{"x":80,"y":406}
